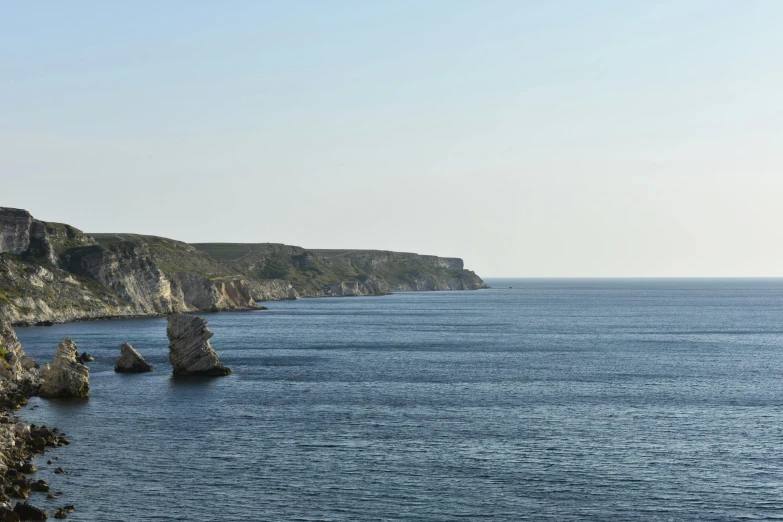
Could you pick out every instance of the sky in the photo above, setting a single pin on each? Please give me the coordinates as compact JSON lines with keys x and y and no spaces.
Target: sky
{"x":532,"y":139}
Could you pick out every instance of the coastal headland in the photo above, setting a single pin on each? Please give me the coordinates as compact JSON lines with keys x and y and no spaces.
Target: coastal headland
{"x":55,"y":273}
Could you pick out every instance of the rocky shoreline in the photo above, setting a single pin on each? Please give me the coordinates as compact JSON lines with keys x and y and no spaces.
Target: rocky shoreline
{"x":21,"y":378}
{"x":20,"y":443}
{"x":190,"y":354}
{"x":25,"y":324}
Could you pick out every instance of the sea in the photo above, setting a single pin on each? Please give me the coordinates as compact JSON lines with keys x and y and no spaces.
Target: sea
{"x":535,"y":399}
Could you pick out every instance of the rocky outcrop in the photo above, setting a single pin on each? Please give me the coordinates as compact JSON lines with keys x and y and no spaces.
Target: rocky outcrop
{"x":216,"y":295}
{"x":345,"y":289}
{"x":190,"y":351}
{"x":273,"y":290}
{"x":66,"y":376}
{"x":15,"y":230}
{"x":18,"y":372}
{"x":131,"y":361}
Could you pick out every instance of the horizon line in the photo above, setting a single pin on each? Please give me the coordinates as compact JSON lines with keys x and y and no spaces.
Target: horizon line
{"x":632,"y":277}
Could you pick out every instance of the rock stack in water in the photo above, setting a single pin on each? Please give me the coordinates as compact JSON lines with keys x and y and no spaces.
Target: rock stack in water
{"x":66,"y":376}
{"x":130,"y":361}
{"x":189,"y":350}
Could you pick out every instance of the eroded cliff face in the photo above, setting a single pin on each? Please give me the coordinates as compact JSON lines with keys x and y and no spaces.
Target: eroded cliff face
{"x":15,"y":230}
{"x":273,"y":290}
{"x":31,"y":293}
{"x":214,"y":295}
{"x":51,"y":272}
{"x":127,"y":268}
{"x":23,"y":235}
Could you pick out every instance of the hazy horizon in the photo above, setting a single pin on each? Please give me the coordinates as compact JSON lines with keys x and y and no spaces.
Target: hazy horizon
{"x":558,"y":139}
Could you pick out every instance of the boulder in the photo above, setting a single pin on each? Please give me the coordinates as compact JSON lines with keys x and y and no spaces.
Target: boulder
{"x":29,"y":512}
{"x":189,"y":350}
{"x":40,"y":485}
{"x":7,"y":515}
{"x":65,"y":377}
{"x":27,"y":467}
{"x":130,"y":361}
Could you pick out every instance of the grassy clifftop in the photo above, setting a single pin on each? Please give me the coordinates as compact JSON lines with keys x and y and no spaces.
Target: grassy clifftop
{"x":309,"y":273}
{"x":324,"y":272}
{"x":173,"y":256}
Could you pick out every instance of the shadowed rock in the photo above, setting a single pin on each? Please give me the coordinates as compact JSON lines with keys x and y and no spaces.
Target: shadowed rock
{"x":189,"y":350}
{"x":65,"y":377}
{"x":84,"y":358}
{"x":18,"y":372}
{"x":29,"y":512}
{"x":130,"y":361}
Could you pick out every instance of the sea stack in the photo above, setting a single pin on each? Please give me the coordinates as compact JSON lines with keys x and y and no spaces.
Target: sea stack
{"x":66,"y":376}
{"x":131,"y":361}
{"x":189,"y":350}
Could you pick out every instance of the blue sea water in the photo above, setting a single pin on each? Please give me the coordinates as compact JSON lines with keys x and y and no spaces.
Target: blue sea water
{"x":550,"y":400}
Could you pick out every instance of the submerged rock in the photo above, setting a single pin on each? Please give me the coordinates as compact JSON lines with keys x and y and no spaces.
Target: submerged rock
{"x":189,"y":350}
{"x":85,"y":358}
{"x":130,"y":361}
{"x":65,"y":377}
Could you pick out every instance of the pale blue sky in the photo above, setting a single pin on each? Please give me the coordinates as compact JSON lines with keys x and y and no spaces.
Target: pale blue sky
{"x":564,"y":138}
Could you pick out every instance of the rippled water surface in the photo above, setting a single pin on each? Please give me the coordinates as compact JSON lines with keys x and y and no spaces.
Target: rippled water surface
{"x":551,"y":400}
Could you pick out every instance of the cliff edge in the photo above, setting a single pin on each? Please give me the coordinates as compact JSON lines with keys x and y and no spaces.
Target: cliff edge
{"x":319,"y":273}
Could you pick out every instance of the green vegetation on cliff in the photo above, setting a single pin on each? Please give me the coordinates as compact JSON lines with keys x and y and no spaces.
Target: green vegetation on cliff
{"x":173,"y":257}
{"x":307,"y":272}
{"x":54,"y":272}
{"x":323,"y":272}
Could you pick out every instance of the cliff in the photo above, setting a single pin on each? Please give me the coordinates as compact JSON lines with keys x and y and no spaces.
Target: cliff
{"x":316,"y":273}
{"x":52,"y":272}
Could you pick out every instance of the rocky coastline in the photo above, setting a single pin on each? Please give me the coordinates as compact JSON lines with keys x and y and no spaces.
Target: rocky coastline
{"x":55,"y":273}
{"x":21,"y":378}
{"x":67,"y":376}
